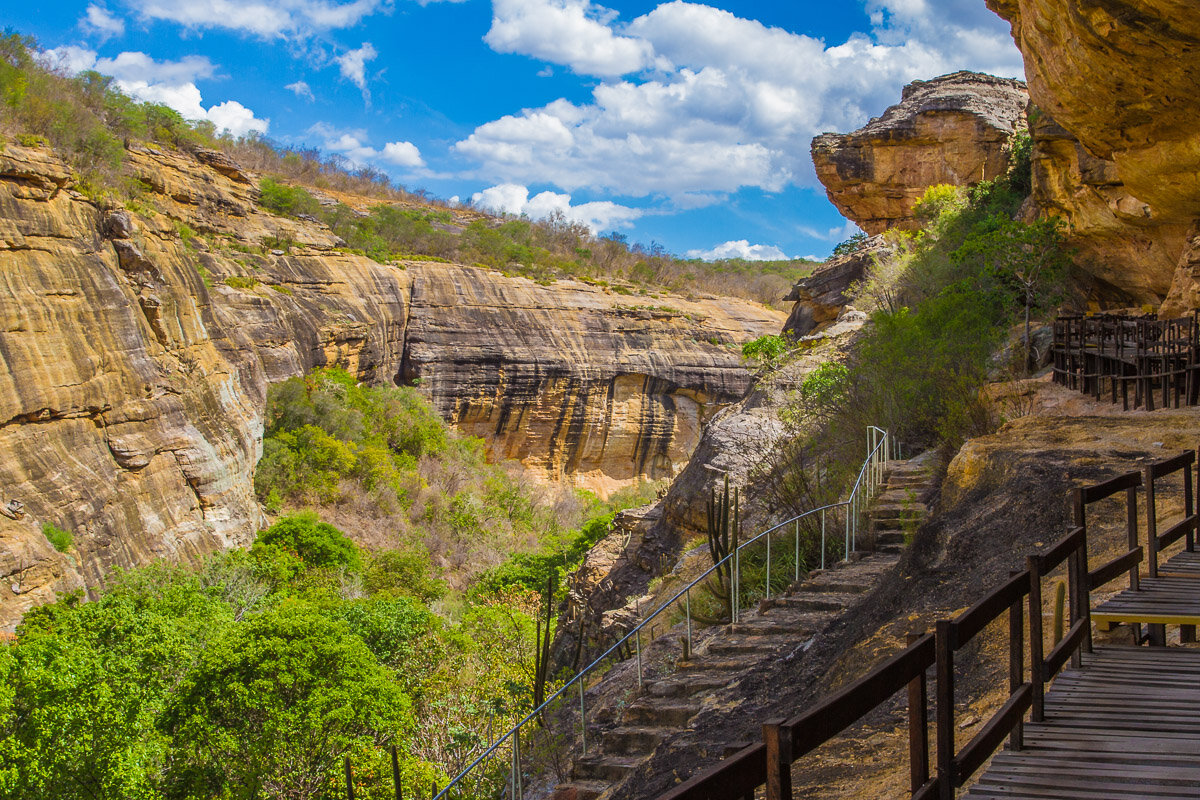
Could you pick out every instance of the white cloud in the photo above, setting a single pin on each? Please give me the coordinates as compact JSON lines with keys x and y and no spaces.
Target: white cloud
{"x":574,"y":33}
{"x":403,"y":154}
{"x":510,"y":198}
{"x":102,"y":24}
{"x":353,"y":65}
{"x":70,"y":59}
{"x":740,"y":249}
{"x":301,"y":90}
{"x":171,"y":83}
{"x":263,"y":19}
{"x":353,"y":146}
{"x":719,"y":102}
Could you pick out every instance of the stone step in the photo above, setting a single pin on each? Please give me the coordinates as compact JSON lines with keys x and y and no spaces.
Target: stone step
{"x":833,"y":585}
{"x":732,"y":645}
{"x":660,"y":713}
{"x":687,"y":684}
{"x":907,"y":511}
{"x":907,"y":481}
{"x":580,"y":790}
{"x":633,"y":741}
{"x":723,"y":662}
{"x":773,"y":624}
{"x":814,"y":602}
{"x":604,"y":767}
{"x":900,"y":495}
{"x":889,"y":537}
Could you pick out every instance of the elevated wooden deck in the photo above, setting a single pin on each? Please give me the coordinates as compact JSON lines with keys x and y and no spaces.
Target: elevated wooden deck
{"x":1125,"y":724}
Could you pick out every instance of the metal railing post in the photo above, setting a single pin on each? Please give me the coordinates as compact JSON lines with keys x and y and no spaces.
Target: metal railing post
{"x":733,"y":584}
{"x":637,"y":639}
{"x":687,"y":610}
{"x":582,"y":719}
{"x":768,"y":566}
{"x":798,"y":549}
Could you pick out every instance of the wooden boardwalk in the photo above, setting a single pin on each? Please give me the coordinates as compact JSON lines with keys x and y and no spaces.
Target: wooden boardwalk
{"x":1125,"y":724}
{"x":1080,"y":722}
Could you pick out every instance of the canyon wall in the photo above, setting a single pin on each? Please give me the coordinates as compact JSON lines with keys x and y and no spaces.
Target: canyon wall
{"x":1120,"y":77}
{"x":953,"y":129}
{"x":138,"y":346}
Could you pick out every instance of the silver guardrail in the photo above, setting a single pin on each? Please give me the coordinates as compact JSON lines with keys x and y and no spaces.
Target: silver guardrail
{"x":880,"y":448}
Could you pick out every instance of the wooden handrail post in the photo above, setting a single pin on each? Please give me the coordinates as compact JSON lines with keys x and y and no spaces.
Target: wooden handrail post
{"x":778,"y":738}
{"x":945,"y":708}
{"x":918,"y":727}
{"x":1037,"y":659}
{"x":1016,"y":663}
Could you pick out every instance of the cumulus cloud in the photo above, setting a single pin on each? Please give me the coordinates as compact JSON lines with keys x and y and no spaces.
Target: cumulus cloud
{"x":354,"y":147}
{"x":742,"y":249}
{"x":98,"y":22}
{"x":575,"y":33}
{"x":511,"y":198}
{"x":278,"y":18}
{"x":301,"y":90}
{"x":172,"y":83}
{"x":698,"y":102}
{"x":353,"y":65}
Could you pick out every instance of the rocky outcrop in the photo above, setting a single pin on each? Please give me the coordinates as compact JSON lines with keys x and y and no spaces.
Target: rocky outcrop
{"x":138,"y":347}
{"x":573,"y":380}
{"x":1128,"y":250}
{"x":1121,"y":77}
{"x":820,"y":297}
{"x":954,"y":129}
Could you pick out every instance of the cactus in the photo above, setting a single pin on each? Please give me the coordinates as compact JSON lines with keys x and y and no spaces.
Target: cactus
{"x":723,"y":537}
{"x":1060,"y":601}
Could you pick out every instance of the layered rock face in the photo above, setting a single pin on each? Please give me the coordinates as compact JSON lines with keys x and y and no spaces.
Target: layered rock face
{"x":1121,"y":77}
{"x":575,"y":381}
{"x":135,"y":377}
{"x":954,"y":129}
{"x":820,"y":297}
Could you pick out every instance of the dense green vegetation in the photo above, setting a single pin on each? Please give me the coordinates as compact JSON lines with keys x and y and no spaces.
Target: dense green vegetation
{"x":941,"y":306}
{"x":91,"y":123}
{"x":255,"y":672}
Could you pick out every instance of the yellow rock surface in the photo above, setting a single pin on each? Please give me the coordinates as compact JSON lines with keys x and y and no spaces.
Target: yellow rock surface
{"x":134,"y":377}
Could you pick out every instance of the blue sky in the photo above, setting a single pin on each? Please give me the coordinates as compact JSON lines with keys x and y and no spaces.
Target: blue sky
{"x":680,"y":123}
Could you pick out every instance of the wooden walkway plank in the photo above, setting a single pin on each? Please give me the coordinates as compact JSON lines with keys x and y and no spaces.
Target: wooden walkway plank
{"x":1109,"y":733}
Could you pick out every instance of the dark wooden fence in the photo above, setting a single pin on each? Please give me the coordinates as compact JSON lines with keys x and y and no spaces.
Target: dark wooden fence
{"x":1137,"y":359}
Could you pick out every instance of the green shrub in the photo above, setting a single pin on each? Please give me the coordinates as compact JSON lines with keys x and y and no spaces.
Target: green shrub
{"x":288,"y":201}
{"x":318,"y":544}
{"x":765,"y":351}
{"x":61,"y":539}
{"x":240,"y":282}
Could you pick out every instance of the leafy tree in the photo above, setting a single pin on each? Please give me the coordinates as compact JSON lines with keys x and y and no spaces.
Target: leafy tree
{"x":849,"y":245}
{"x":318,"y":544}
{"x":274,"y":705}
{"x":86,"y":684}
{"x":765,"y":350}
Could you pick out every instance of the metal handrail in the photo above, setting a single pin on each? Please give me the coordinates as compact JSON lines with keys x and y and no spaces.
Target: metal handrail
{"x":869,"y":477}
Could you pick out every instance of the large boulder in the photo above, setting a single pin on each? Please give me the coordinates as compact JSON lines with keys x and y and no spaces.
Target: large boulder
{"x":953,"y":129}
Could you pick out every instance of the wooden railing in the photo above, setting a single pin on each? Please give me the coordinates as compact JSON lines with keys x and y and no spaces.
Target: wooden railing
{"x":1155,"y":541}
{"x":1107,"y":354}
{"x":786,"y":740}
{"x":954,"y":769}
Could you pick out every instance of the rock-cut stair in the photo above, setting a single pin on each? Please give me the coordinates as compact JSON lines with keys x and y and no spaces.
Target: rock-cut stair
{"x":778,"y":628}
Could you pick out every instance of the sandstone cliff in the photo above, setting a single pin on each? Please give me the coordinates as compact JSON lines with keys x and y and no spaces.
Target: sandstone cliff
{"x":1121,"y":77}
{"x":135,"y":374}
{"x":953,"y":129}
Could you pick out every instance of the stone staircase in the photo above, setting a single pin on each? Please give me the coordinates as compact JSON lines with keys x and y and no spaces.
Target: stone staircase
{"x":777,"y":628}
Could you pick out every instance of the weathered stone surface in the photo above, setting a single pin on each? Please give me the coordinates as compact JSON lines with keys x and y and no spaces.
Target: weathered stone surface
{"x":953,"y":129}
{"x":571,"y":379}
{"x":134,"y":378}
{"x":1121,"y":77}
{"x":821,"y":297}
{"x":1128,"y":249}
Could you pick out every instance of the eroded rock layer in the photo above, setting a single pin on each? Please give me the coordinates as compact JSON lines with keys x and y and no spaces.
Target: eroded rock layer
{"x":138,"y":348}
{"x":1121,"y":77}
{"x":575,"y":381}
{"x":954,"y":129}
